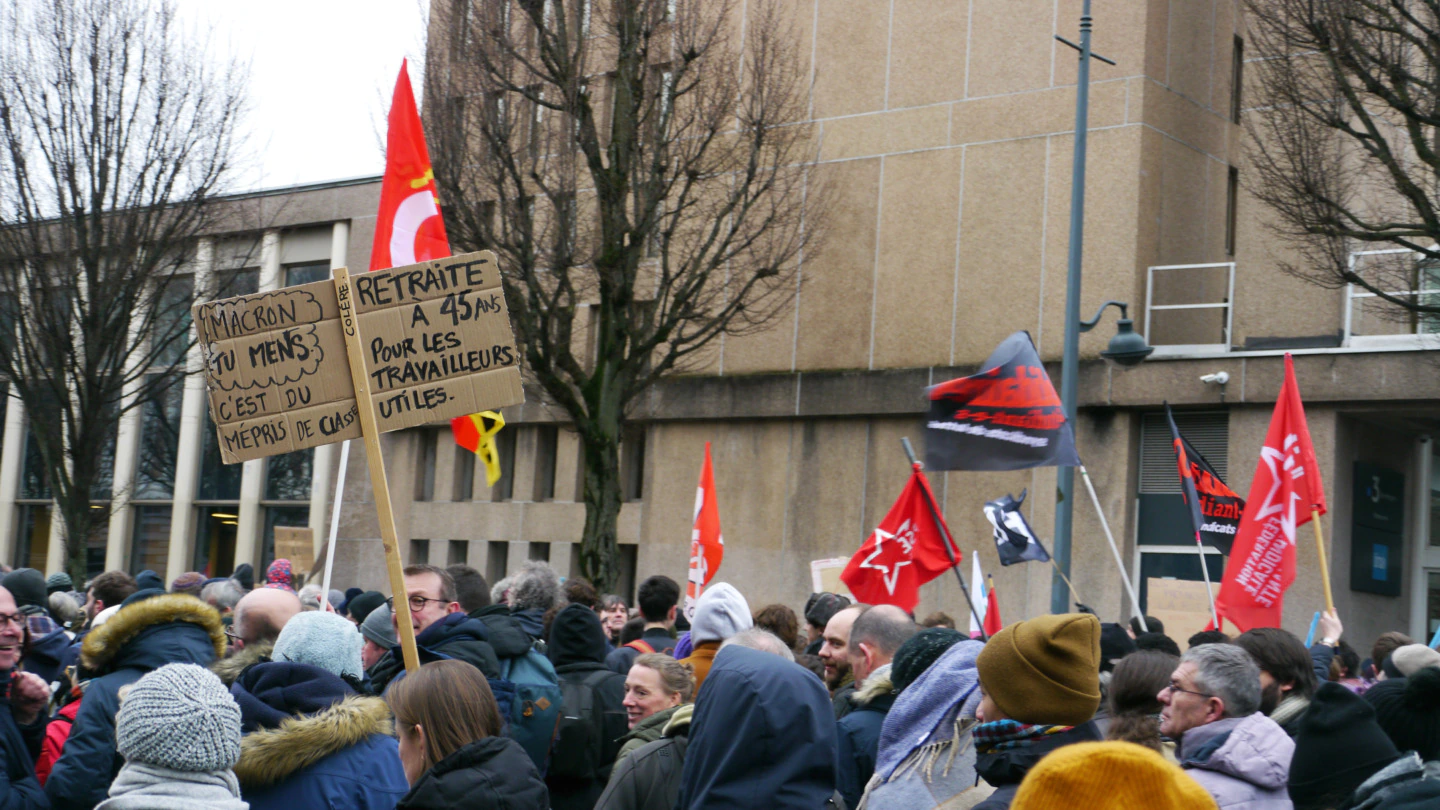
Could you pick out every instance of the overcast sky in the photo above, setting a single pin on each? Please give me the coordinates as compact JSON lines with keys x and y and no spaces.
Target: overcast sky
{"x":322,"y":72}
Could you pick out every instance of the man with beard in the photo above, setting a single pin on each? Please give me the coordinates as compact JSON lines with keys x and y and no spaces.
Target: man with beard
{"x":834,"y":652}
{"x":1287,"y":670}
{"x":1233,"y":750}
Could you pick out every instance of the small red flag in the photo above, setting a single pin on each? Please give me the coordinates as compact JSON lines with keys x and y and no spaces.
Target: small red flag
{"x":1285,"y":490}
{"x":707,"y":544}
{"x":904,"y":552}
{"x":992,"y":609}
{"x":408,"y":228}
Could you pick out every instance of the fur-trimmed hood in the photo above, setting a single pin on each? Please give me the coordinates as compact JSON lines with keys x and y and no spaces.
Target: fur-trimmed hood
{"x":273,"y":755}
{"x":230,"y":667}
{"x":876,"y":686}
{"x":105,"y":645}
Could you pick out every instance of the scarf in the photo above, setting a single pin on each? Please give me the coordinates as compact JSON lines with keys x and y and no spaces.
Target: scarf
{"x":1289,"y":709}
{"x":929,"y":712}
{"x":141,"y":786}
{"x":1003,"y":735}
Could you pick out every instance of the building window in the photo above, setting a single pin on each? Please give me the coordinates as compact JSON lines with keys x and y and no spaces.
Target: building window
{"x":458,"y":552}
{"x":1237,"y":78}
{"x":425,"y":452}
{"x":159,"y":444}
{"x":288,"y":476}
{"x":1232,"y":201}
{"x":218,"y":481}
{"x":419,"y":552}
{"x":34,"y":540}
{"x":505,"y":447}
{"x":463,"y":477}
{"x":215,"y":540}
{"x":547,"y":439}
{"x":632,"y":463}
{"x":497,"y":560}
{"x":539,"y":551}
{"x":307,"y":273}
{"x":150,"y":541}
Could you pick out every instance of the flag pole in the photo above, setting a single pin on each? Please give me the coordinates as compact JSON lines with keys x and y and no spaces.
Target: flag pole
{"x":1105,"y":524}
{"x":1205,"y":572}
{"x":1068,"y":583}
{"x":945,"y":537}
{"x":1324,"y":564}
{"x":335,"y":515}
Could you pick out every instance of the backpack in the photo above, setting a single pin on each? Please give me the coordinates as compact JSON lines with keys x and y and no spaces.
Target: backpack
{"x":529,"y":696}
{"x":641,"y":646}
{"x":580,"y":743}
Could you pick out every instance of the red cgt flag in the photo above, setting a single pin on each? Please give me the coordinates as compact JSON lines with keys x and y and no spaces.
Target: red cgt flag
{"x":408,"y":228}
{"x":992,"y":609}
{"x":707,"y":544}
{"x":904,"y":552}
{"x":1284,"y":493}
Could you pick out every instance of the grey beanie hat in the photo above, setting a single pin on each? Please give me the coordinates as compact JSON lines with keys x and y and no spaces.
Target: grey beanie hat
{"x":321,"y":639}
{"x":379,"y":628}
{"x":179,"y":717}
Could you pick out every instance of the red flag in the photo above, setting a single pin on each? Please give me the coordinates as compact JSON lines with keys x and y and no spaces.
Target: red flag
{"x":992,"y":609}
{"x":904,"y":552}
{"x":1285,"y":490}
{"x":707,"y":544}
{"x":408,"y":228}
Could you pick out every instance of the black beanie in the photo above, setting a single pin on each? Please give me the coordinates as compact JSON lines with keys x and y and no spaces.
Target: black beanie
{"x":919,"y":652}
{"x":1338,"y":747}
{"x":28,"y":587}
{"x":1408,"y":709}
{"x":359,"y":607}
{"x":823,"y":606}
{"x":1115,"y":644}
{"x":245,"y":575}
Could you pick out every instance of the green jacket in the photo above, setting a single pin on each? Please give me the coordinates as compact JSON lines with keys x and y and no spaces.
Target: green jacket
{"x":646,"y":731}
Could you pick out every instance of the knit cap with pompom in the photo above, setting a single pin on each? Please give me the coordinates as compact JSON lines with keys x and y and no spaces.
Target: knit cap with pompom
{"x":1408,"y":709}
{"x":179,"y":717}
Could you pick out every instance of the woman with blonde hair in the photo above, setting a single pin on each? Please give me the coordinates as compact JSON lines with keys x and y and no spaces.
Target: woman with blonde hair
{"x":658,"y":692}
{"x":451,"y":745}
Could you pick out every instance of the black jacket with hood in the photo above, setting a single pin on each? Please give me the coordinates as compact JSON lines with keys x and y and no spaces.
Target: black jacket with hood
{"x":141,"y":637}
{"x":19,"y":746}
{"x":577,"y":649}
{"x":1004,"y":770}
{"x":456,"y":636}
{"x":763,"y":735}
{"x":493,"y":773}
{"x":506,"y":635}
{"x":648,"y":778}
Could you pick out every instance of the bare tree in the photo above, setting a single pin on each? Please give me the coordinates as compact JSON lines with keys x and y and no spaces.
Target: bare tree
{"x":116,"y":131}
{"x":1346,"y":142}
{"x":643,"y":170}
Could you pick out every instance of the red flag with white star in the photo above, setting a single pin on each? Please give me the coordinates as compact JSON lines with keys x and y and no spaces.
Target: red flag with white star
{"x":904,"y":552}
{"x":408,"y":228}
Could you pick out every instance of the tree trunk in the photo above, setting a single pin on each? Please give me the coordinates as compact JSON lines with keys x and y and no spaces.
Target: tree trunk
{"x":598,"y":554}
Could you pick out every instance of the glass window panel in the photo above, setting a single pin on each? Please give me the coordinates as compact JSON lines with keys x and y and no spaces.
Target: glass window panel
{"x":101,"y":488}
{"x":218,"y":481}
{"x":288,"y":478}
{"x":243,"y":282}
{"x":170,"y":330}
{"x":4,"y":409}
{"x":159,"y":443}
{"x":34,"y":540}
{"x":307,"y":273}
{"x":34,"y":477}
{"x":95,"y":546}
{"x":280,"y":516}
{"x":215,"y":540}
{"x":150,"y":543}
{"x":1432,"y":604}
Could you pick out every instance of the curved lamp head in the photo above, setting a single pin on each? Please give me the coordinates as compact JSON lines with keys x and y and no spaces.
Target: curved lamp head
{"x":1128,"y":347}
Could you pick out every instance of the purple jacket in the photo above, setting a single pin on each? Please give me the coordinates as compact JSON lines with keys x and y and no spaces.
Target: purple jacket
{"x":1244,"y":762}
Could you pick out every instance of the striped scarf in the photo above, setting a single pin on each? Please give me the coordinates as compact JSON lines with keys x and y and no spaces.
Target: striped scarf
{"x":1003,"y":735}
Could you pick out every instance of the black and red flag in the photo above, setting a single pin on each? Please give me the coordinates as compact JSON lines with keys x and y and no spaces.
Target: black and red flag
{"x":1215,"y":509}
{"x":1005,"y":417}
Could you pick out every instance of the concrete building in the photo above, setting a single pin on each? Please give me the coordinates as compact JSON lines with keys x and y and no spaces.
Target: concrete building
{"x":946,"y":128}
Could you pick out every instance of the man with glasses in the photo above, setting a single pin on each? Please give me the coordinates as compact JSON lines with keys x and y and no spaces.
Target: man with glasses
{"x":22,"y":725}
{"x":442,"y":630}
{"x":1212,"y":708}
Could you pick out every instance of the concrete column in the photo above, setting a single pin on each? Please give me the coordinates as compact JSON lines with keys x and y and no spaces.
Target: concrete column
{"x":55,"y":552}
{"x":1420,"y":530}
{"x":189,"y":445}
{"x":249,"y":533}
{"x":127,"y":454}
{"x":324,"y":470}
{"x":12,"y":455}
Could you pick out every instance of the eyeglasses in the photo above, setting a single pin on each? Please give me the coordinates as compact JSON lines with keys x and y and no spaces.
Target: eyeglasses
{"x":12,"y":618}
{"x":1175,"y":687}
{"x":417,"y":602}
{"x":230,"y":634}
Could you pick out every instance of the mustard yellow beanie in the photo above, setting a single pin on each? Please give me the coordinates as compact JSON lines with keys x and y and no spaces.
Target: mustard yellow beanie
{"x":1044,"y":670}
{"x":1110,"y":775}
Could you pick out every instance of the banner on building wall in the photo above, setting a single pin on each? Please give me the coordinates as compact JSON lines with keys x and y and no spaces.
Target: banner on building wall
{"x":437,"y":344}
{"x":1005,"y":417}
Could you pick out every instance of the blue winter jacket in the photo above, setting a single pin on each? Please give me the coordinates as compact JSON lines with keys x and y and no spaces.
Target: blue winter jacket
{"x":141,"y":637}
{"x":859,"y":733}
{"x":311,"y":742}
{"x":763,"y":735}
{"x":45,"y":654}
{"x":19,"y":745}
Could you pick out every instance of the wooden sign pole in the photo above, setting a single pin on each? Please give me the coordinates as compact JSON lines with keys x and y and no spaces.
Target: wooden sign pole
{"x":355,"y":349}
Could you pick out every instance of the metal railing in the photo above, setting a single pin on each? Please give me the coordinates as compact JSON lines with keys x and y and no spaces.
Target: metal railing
{"x":1162,"y":349}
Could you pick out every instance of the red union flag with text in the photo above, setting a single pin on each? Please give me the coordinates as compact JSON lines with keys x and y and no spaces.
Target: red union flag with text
{"x":904,"y":552}
{"x":1285,"y":491}
{"x":408,"y":227}
{"x":707,"y":544}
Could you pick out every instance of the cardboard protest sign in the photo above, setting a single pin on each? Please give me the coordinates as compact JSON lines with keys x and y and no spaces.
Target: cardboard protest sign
{"x":437,"y":344}
{"x":296,"y":544}
{"x":1182,"y":605}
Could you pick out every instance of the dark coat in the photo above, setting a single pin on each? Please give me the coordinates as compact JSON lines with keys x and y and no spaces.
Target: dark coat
{"x":1004,"y":770}
{"x":859,"y":733}
{"x":311,"y":742}
{"x":763,"y":735}
{"x":577,"y":649}
{"x":19,"y":746}
{"x":493,"y":773}
{"x":456,"y":636}
{"x":648,"y":778}
{"x":622,"y":658}
{"x":44,"y":654}
{"x":141,"y":637}
{"x":532,"y":619}
{"x":507,"y":636}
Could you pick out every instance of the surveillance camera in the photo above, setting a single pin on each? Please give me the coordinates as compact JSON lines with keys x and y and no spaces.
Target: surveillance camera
{"x":1218,"y":378}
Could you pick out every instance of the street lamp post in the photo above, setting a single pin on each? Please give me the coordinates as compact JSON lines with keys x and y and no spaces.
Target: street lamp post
{"x":1069,"y":369}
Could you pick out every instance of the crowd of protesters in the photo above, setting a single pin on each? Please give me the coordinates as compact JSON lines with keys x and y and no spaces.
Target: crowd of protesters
{"x":536,"y":693}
